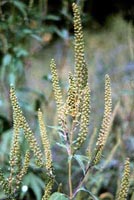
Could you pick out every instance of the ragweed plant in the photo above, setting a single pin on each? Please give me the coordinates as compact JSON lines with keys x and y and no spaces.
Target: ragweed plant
{"x":73,"y":112}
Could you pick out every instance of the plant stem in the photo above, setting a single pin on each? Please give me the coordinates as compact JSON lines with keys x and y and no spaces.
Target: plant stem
{"x":70,"y":154}
{"x":80,"y":183}
{"x":70,"y":177}
{"x":89,"y":166}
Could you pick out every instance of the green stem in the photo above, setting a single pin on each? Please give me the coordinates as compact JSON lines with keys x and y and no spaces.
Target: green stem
{"x":70,"y":177}
{"x":70,"y":154}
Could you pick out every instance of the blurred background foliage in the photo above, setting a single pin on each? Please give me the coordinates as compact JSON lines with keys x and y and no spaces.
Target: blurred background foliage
{"x":31,"y":33}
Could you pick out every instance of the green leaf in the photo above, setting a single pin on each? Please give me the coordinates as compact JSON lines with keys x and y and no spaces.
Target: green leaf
{"x":62,"y":33}
{"x":47,"y":77}
{"x":12,"y":78}
{"x":6,"y":140}
{"x":81,"y":159}
{"x":127,"y":92}
{"x":20,"y":6}
{"x":87,"y":191}
{"x":61,"y":145}
{"x":7,"y":60}
{"x":3,"y":25}
{"x":52,"y":17}
{"x":27,"y":31}
{"x":54,"y":127}
{"x":35,"y":183}
{"x":20,"y":52}
{"x":58,"y":196}
{"x":36,"y":37}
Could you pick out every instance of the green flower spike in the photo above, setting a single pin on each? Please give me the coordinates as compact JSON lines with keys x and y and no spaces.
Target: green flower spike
{"x":124,"y":186}
{"x":22,"y":123}
{"x":81,"y":72}
{"x":104,"y":131}
{"x":84,"y":118}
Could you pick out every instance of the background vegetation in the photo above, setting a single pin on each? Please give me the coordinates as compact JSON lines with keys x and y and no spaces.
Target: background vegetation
{"x":33,"y":32}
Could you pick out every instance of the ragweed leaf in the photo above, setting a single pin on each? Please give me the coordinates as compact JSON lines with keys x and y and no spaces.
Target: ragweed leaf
{"x":81,"y":160}
{"x":20,"y":6}
{"x":87,"y":191}
{"x":35,"y":183}
{"x":58,"y":196}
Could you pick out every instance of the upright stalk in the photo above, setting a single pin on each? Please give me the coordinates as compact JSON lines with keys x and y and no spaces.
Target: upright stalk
{"x":70,"y":154}
{"x":70,"y":178}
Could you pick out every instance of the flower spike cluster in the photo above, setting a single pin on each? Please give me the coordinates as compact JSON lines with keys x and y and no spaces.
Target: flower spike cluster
{"x":57,"y":90}
{"x":17,"y":170}
{"x":81,"y":72}
{"x":4,"y":184}
{"x":15,"y":158}
{"x":71,"y":102}
{"x":106,"y":121}
{"x":24,"y":169}
{"x":48,"y":156}
{"x":45,"y":142}
{"x":22,"y":123}
{"x":48,"y":189}
{"x":124,"y":187}
{"x":84,"y":118}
